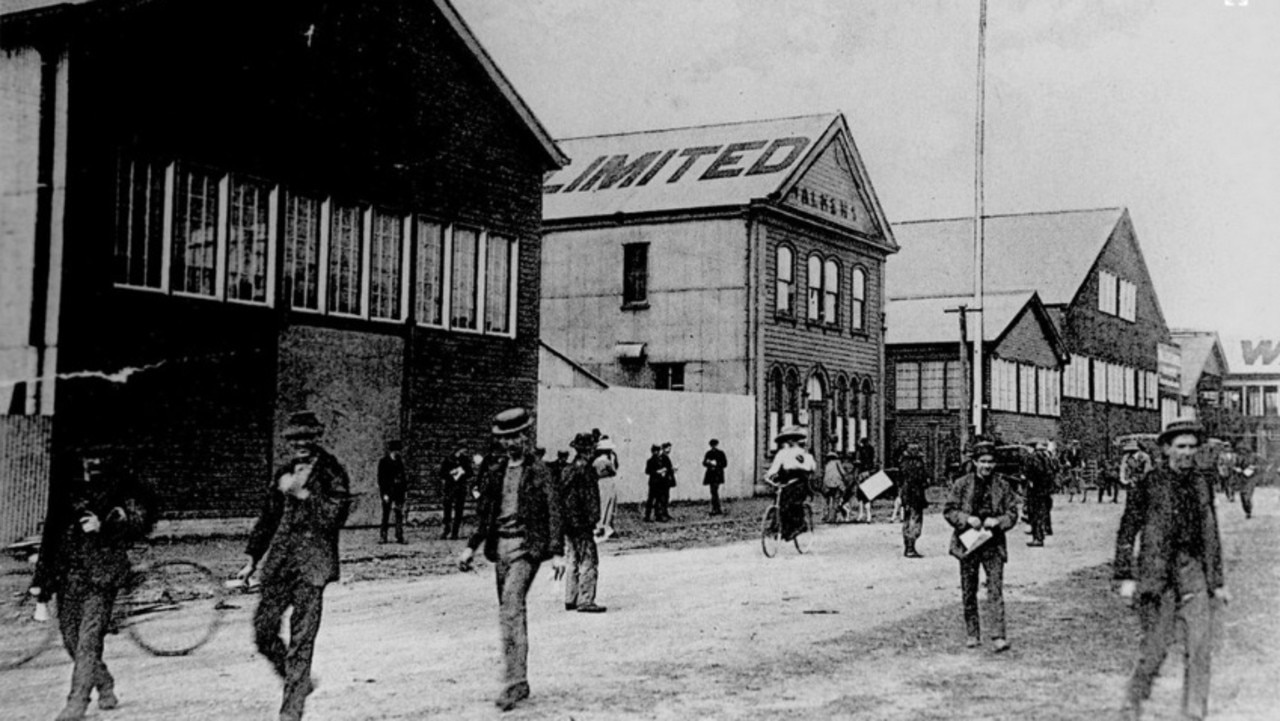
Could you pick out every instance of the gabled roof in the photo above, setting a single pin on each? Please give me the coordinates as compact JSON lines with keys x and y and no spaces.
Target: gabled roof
{"x":505,"y":88}
{"x":1050,"y":253}
{"x":727,"y":165}
{"x":926,"y":320}
{"x":1201,"y":352}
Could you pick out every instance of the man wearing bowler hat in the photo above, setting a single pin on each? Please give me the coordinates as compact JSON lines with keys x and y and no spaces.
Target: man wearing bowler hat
{"x":982,"y":500}
{"x":297,"y":531}
{"x":1179,"y":567}
{"x":518,"y":522}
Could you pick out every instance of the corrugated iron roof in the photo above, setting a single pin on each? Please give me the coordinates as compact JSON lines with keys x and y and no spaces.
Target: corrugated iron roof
{"x":925,"y":320}
{"x":681,"y":168}
{"x":1050,"y":253}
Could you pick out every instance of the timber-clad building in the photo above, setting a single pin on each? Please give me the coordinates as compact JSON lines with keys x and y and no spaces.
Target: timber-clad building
{"x":744,"y":258}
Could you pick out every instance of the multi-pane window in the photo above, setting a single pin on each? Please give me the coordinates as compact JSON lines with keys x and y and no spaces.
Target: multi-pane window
{"x":386,"y":257}
{"x":195,"y":231}
{"x":815,"y":288}
{"x":1004,"y":385}
{"x":786,"y":289}
{"x":302,"y":251}
{"x":346,"y":222}
{"x":859,"y":299}
{"x":249,"y":230}
{"x":906,"y":393}
{"x":1026,"y":388}
{"x":954,"y":380}
{"x":830,"y":291}
{"x":140,"y":224}
{"x":932,"y":385}
{"x":635,"y":273}
{"x":1253,"y":400}
{"x":431,"y":273}
{"x":497,"y":291}
{"x":1130,"y":388}
{"x":1106,"y":292}
{"x":465,"y":268}
{"x":1099,"y":380}
{"x":668,"y":376}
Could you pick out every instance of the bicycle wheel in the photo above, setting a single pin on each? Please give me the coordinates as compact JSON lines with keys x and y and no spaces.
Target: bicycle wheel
{"x":174,"y":608}
{"x":22,"y":637}
{"x":804,"y":539}
{"x":770,"y":532}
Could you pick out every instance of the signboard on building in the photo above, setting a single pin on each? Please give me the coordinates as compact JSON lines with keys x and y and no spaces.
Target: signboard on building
{"x":1169,"y":358}
{"x":1252,"y":355}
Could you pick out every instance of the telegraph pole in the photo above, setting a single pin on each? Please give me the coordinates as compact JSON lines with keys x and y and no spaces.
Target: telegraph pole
{"x":978,"y":202}
{"x":963,"y":311}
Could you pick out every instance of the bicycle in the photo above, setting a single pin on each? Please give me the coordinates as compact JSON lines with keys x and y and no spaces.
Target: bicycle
{"x":168,"y":608}
{"x":771,"y":526}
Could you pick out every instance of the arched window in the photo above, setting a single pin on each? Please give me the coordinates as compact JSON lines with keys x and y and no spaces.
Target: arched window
{"x":859,"y":299}
{"x":775,"y":392}
{"x":815,"y":288}
{"x":830,"y":291}
{"x":786,"y":274}
{"x":791,"y":411}
{"x":840,"y":416}
{"x":815,"y":391}
{"x":865,"y":417}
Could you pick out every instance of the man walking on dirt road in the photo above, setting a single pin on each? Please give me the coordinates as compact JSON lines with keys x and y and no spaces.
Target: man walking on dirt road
{"x":982,"y":508}
{"x":518,"y":521}
{"x":297,"y":532}
{"x":1179,"y":568}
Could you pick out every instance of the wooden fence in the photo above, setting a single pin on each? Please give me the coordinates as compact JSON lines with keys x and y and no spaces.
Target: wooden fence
{"x":24,"y":474}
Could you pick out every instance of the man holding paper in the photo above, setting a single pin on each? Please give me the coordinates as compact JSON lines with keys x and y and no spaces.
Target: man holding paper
{"x":982,"y":507}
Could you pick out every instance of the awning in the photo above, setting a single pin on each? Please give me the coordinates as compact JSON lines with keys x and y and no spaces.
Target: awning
{"x":629,"y":351}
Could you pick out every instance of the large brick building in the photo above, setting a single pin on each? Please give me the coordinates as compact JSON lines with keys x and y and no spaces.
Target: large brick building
{"x":1087,"y":267}
{"x":225,"y":211}
{"x":743,"y":258}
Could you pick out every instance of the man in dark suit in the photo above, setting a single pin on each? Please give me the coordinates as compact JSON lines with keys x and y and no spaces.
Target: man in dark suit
{"x":392,"y":487}
{"x":1179,"y":567}
{"x":455,"y":477}
{"x":98,"y":513}
{"x":297,"y":531}
{"x":715,"y":462}
{"x":518,"y":523}
{"x":982,"y":500}
{"x":580,"y":512}
{"x":912,"y":488}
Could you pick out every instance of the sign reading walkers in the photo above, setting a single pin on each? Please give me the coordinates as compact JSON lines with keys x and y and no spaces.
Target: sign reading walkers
{"x":1257,"y":355}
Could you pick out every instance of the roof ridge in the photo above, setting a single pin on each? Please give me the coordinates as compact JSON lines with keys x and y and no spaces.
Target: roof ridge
{"x":832,"y":114}
{"x":1064,"y":211}
{"x":942,"y":296}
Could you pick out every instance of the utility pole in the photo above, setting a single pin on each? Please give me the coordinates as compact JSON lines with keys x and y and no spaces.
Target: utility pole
{"x":963,"y":311}
{"x":978,"y":202}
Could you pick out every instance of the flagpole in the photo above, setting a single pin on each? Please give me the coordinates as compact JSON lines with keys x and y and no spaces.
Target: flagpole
{"x":978,"y":240}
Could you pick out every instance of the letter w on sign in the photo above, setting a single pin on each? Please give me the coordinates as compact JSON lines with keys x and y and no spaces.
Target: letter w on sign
{"x":1265,"y":350}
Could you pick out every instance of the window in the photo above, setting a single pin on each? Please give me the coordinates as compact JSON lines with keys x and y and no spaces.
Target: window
{"x":955,"y":379}
{"x":775,"y":405}
{"x":635,"y":274}
{"x":250,"y":232}
{"x":386,"y":258}
{"x":786,"y":291}
{"x":668,"y":376}
{"x":195,"y":232}
{"x":830,"y":291}
{"x":302,"y":223}
{"x":907,"y":386}
{"x":140,"y":196}
{"x":932,"y":385}
{"x":1026,"y":389}
{"x":345,"y":225}
{"x":1153,"y":391}
{"x":1099,"y":380}
{"x":1130,"y":387}
{"x":1106,"y":292}
{"x":815,"y":288}
{"x":465,"y":269}
{"x":1269,"y":407}
{"x":1004,"y":385}
{"x":431,"y":273}
{"x":1128,"y":300}
{"x":859,"y":299}
{"x":1253,"y":400}
{"x":1048,"y":398}
{"x":499,"y":259}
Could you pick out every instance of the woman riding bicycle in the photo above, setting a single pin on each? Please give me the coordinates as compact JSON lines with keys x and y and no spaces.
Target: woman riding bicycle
{"x":791,"y":469}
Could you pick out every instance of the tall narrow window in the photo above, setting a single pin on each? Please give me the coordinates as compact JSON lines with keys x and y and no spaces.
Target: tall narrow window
{"x":248,"y":240}
{"x":465,"y":267}
{"x":954,"y":381}
{"x":1026,"y":389}
{"x":906,"y":390}
{"x":635,"y":274}
{"x":859,"y":299}
{"x":302,"y":251}
{"x":497,"y":289}
{"x":775,"y":405}
{"x":1128,"y":300}
{"x":1106,"y":292}
{"x":345,"y":225}
{"x":815,"y":288}
{"x":140,"y":224}
{"x":195,"y":231}
{"x":786,"y":290}
{"x":830,"y":291}
{"x":431,"y":267}
{"x":386,"y":254}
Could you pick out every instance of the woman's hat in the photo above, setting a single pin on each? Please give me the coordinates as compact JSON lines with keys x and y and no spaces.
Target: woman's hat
{"x":1129,"y":445}
{"x":792,"y":432}
{"x":303,"y":426}
{"x":512,"y":421}
{"x":583,"y":441}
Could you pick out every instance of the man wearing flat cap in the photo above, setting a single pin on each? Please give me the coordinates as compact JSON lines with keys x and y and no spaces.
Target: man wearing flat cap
{"x":518,"y":522}
{"x":303,"y":510}
{"x":1179,"y":567}
{"x":982,"y":500}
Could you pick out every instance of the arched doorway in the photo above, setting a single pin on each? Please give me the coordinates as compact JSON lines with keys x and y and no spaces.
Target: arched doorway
{"x":815,"y":414}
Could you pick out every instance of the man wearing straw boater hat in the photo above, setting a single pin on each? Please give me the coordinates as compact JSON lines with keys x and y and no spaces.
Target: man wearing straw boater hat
{"x":518,"y":522}
{"x":982,"y":500}
{"x":1179,"y":567}
{"x":297,"y":531}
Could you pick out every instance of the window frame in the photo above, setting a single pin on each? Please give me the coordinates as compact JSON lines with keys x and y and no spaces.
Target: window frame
{"x":513,"y":266}
{"x":288,"y":249}
{"x":126,"y":215}
{"x":858,"y":307}
{"x":831,"y":292}
{"x":787,"y":308}
{"x":233,"y":181}
{"x":635,"y":279}
{"x":477,"y":288}
{"x":813,"y":292}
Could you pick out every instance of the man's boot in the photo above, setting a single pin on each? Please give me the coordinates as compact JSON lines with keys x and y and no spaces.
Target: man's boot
{"x":911,"y":550}
{"x":74,"y":710}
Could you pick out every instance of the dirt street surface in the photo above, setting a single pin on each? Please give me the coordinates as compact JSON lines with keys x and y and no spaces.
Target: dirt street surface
{"x":851,"y":631}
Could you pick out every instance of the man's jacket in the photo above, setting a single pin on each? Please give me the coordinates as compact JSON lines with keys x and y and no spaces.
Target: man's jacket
{"x":301,"y":536}
{"x":580,"y":498}
{"x":962,"y":503}
{"x":69,"y":555}
{"x":1151,"y":510}
{"x":538,"y":509}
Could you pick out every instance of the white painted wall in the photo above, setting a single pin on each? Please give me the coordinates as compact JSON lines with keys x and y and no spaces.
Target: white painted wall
{"x":637,"y":418}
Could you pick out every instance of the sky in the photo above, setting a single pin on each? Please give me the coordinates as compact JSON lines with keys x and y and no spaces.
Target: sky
{"x":1169,"y":108}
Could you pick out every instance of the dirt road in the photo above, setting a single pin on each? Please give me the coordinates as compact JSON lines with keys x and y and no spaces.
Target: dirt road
{"x":851,"y":631}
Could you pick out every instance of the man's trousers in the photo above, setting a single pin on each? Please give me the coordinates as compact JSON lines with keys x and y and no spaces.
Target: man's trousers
{"x":515,"y":576}
{"x":84,"y":613}
{"x":1158,"y":614}
{"x":912,"y":523}
{"x":293,"y":662}
{"x":389,"y":506}
{"x":582,"y":568}
{"x":991,"y":562}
